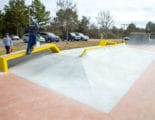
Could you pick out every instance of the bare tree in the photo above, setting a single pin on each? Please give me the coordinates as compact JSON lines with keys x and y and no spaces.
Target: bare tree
{"x":105,"y":21}
{"x":93,"y":31}
{"x":66,"y":4}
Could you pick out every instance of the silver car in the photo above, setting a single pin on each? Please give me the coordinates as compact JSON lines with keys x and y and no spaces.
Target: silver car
{"x":83,"y":37}
{"x":14,"y":37}
{"x":26,"y":38}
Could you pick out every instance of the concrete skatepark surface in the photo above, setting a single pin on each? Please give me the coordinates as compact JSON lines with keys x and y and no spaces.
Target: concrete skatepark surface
{"x":104,"y":74}
{"x":99,"y":80}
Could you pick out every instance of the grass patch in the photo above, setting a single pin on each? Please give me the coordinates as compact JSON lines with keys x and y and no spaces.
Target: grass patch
{"x":76,"y":44}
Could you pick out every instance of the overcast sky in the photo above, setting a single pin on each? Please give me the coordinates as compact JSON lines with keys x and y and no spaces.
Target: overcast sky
{"x":122,"y":11}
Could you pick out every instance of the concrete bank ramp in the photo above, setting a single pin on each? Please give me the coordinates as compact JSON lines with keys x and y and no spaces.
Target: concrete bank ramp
{"x":141,"y":39}
{"x":99,"y":79}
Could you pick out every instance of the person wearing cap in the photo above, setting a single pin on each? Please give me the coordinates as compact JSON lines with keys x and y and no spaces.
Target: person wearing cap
{"x":7,"y":41}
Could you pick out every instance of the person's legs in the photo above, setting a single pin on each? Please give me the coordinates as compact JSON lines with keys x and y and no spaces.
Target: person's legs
{"x":28,"y":50}
{"x":31,"y":43}
{"x":7,"y":49}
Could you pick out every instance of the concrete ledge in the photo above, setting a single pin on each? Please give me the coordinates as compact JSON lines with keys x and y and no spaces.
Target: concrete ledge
{"x":5,"y":58}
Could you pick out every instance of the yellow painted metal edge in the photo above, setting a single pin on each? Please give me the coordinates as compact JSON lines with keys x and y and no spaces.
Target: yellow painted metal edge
{"x":102,"y":43}
{"x":107,"y":42}
{"x":4,"y":59}
{"x":88,"y":49}
{"x":52,"y":47}
{"x":3,"y":65}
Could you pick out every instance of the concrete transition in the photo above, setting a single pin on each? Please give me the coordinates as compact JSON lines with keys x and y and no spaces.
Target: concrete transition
{"x":99,"y":79}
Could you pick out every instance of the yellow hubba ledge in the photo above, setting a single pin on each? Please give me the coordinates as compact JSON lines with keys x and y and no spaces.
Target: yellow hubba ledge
{"x":102,"y":43}
{"x":5,"y":58}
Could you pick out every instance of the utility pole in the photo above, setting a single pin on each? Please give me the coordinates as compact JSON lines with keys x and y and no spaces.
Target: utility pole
{"x":124,"y":26}
{"x":29,"y":17}
{"x":29,"y":8}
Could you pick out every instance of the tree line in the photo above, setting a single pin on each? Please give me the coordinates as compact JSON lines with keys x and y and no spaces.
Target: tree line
{"x":17,"y":15}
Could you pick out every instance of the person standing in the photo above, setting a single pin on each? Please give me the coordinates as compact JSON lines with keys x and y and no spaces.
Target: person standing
{"x":7,"y":41}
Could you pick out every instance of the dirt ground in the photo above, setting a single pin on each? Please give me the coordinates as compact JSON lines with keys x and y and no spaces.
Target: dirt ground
{"x":76,"y":44}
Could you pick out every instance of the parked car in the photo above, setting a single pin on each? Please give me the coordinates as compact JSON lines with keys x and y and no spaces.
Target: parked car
{"x":26,"y":38}
{"x":126,"y":38}
{"x":14,"y":37}
{"x":83,"y":37}
{"x":71,"y":36}
{"x":49,"y":37}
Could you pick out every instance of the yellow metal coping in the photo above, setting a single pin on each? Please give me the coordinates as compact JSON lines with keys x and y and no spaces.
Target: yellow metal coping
{"x":102,"y":43}
{"x":107,"y":42}
{"x":5,"y":58}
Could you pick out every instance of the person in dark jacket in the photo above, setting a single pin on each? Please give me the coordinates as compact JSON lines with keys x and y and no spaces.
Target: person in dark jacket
{"x":7,"y":41}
